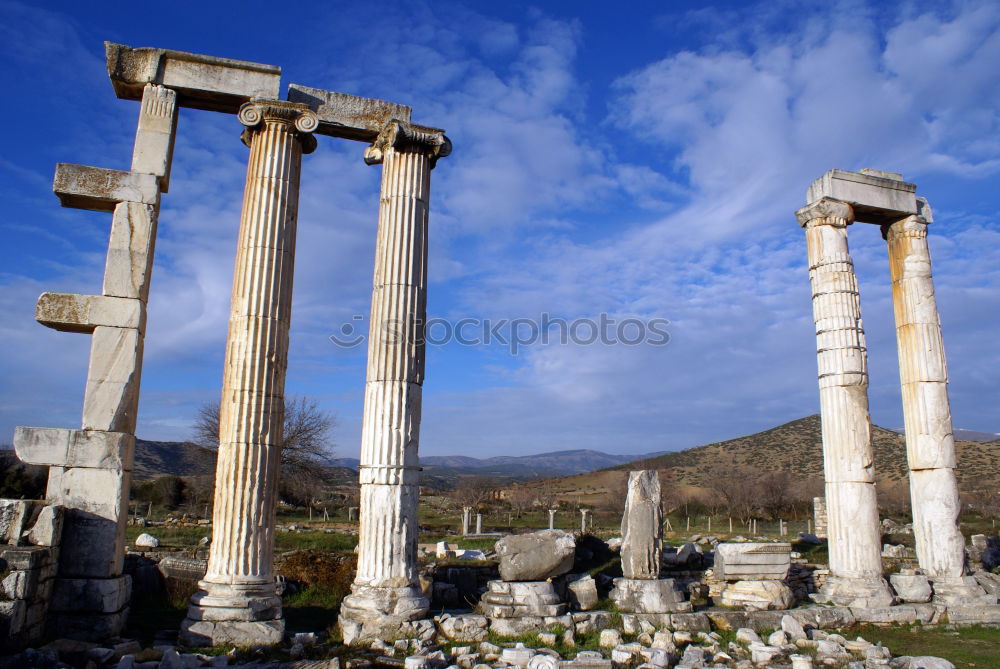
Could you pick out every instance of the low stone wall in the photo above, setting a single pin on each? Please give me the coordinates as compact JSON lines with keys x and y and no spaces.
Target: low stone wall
{"x":30,"y":531}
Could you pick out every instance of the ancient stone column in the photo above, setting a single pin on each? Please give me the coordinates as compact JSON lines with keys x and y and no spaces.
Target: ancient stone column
{"x":237,"y":602}
{"x":386,"y":590}
{"x":642,"y":526}
{"x":853,"y":524}
{"x":923,"y":375}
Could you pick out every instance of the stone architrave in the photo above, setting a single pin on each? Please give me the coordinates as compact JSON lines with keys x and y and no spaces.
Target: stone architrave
{"x":641,"y":526}
{"x":923,"y":372}
{"x":386,"y":590}
{"x":238,"y":603}
{"x":852,"y":513}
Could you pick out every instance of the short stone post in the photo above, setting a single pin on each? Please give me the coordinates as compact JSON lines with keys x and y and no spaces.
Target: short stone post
{"x":930,"y":446}
{"x":386,"y":591}
{"x":855,"y":556}
{"x":466,"y":519}
{"x":552,"y":519}
{"x":583,"y":520}
{"x":238,"y":603}
{"x":479,"y":523}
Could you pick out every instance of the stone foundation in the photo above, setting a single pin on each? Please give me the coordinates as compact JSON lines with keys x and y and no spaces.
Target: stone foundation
{"x":516,"y":599}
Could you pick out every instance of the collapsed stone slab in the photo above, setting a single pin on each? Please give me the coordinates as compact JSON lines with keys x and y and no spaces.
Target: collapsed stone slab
{"x":535,"y":556}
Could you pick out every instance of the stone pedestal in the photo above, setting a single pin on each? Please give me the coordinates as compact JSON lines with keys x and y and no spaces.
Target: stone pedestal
{"x":923,"y":374}
{"x":386,"y":591}
{"x":636,"y":595}
{"x":505,"y":599}
{"x":238,"y":603}
{"x":852,"y":512}
{"x":961,"y":591}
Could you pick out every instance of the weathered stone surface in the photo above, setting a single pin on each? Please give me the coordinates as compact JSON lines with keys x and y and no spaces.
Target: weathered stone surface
{"x":961,"y":591}
{"x":84,"y":313}
{"x":146,"y":540}
{"x":129,"y":261}
{"x":96,"y":449}
{"x":47,"y":529}
{"x":101,"y":189}
{"x":201,"y":82}
{"x":232,"y":632}
{"x":921,"y":662}
{"x":153,"y":149}
{"x":16,"y":516}
{"x":648,"y":596}
{"x":855,"y":593}
{"x":792,"y":628}
{"x":511,"y":599}
{"x":348,"y":116}
{"x":471,"y":628}
{"x":91,"y":595}
{"x":752,"y":561}
{"x":876,"y":197}
{"x":911,"y":587}
{"x":974,"y":614}
{"x":690,"y":622}
{"x":582,"y":591}
{"x":758,"y":595}
{"x":535,"y":556}
{"x":641,"y":526}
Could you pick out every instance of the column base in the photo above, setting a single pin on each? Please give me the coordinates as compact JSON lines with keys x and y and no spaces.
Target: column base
{"x":371,"y":612}
{"x":636,"y":595}
{"x":233,"y":614}
{"x":960,"y":591}
{"x":862,"y":593}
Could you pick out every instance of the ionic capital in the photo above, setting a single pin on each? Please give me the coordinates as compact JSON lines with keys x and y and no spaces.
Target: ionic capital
{"x":256,"y":113}
{"x":825,"y":211}
{"x":408,"y":138}
{"x":913,"y":227}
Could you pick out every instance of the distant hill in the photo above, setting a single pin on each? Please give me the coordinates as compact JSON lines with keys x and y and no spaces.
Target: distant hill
{"x":966,"y":435}
{"x":543,"y":465}
{"x":179,"y":458}
{"x":796,"y":447}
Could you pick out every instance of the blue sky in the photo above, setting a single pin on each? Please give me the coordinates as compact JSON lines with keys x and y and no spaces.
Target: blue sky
{"x":633,"y":159}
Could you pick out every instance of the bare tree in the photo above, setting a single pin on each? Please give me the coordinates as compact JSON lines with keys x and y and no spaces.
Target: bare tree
{"x":474,"y":491}
{"x":308,"y":438}
{"x":520,"y":499}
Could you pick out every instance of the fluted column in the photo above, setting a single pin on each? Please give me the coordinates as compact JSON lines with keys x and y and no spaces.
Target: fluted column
{"x":923,"y":375}
{"x":853,"y":524}
{"x":238,"y":603}
{"x":386,"y":589}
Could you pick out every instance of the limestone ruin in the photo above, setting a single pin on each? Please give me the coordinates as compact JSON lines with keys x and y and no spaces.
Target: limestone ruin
{"x":836,"y":200}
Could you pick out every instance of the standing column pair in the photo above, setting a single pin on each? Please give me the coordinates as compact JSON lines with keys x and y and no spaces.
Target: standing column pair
{"x":237,"y":603}
{"x":386,"y":591}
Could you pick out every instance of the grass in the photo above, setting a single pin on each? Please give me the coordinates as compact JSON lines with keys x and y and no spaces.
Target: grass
{"x":976,"y":647}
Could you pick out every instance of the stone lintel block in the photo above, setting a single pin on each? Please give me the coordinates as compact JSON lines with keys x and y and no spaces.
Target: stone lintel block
{"x":348,"y":116}
{"x":83,"y":313}
{"x":101,"y":189}
{"x":201,"y":82}
{"x":875,"y":199}
{"x":94,"y":595}
{"x":74,"y":448}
